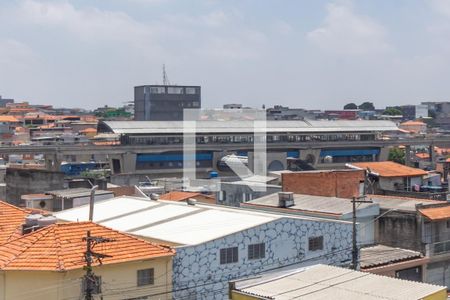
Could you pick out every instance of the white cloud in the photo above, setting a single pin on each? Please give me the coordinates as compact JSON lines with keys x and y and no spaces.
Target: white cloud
{"x":441,"y":7}
{"x":15,"y":55}
{"x":345,"y":32}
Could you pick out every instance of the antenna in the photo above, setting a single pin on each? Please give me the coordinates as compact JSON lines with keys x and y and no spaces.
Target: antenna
{"x":165,"y":78}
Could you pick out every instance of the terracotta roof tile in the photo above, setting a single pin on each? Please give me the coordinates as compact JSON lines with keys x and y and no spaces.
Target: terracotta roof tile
{"x":60,"y":247}
{"x":8,"y":119}
{"x":178,"y":196}
{"x":436,"y":213}
{"x":415,"y":123}
{"x":390,"y":169}
{"x":11,"y":220}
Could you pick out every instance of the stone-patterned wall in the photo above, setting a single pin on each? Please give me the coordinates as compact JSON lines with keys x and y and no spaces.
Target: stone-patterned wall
{"x":198,"y":273}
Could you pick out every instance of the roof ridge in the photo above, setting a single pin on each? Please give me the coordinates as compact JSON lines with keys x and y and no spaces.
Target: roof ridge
{"x":42,"y":233}
{"x":61,"y":263}
{"x":3,"y":202}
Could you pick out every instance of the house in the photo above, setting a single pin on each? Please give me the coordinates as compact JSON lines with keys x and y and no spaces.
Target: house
{"x":63,"y":199}
{"x":329,"y":282}
{"x":390,"y":176}
{"x":420,"y":225}
{"x":329,"y":183}
{"x":216,"y":243}
{"x":414,"y":127}
{"x":49,"y":263}
{"x":235,"y":192}
{"x":393,"y":262}
{"x":180,"y":196}
{"x":321,"y":207}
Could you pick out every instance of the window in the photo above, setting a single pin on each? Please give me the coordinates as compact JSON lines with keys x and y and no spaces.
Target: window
{"x":228,"y":255}
{"x":191,"y":90}
{"x":256,"y":251}
{"x":145,"y":277}
{"x":448,"y":224}
{"x":175,"y":90}
{"x":95,"y":283}
{"x":158,"y":90}
{"x":315,"y":243}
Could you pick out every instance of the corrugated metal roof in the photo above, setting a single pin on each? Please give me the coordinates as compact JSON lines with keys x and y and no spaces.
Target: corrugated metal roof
{"x":319,"y":204}
{"x":144,"y":127}
{"x":76,"y":193}
{"x":174,"y":222}
{"x":382,"y":255}
{"x":328,"y":282}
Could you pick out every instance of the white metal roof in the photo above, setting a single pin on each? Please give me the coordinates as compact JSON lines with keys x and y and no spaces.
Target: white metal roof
{"x":327,"y":282}
{"x":178,"y":223}
{"x":241,"y":126}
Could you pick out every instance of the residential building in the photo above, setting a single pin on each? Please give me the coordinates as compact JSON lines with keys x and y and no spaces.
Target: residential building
{"x":279,"y":112}
{"x":64,"y":199}
{"x":321,"y":207}
{"x":417,"y":127}
{"x":393,"y":262}
{"x":48,"y":264}
{"x":392,"y":178}
{"x":329,"y":282}
{"x":164,"y":102}
{"x":215,"y":244}
{"x":413,"y":112}
{"x":328,"y":183}
{"x":344,"y":114}
{"x":232,"y":106}
{"x":440,"y":112}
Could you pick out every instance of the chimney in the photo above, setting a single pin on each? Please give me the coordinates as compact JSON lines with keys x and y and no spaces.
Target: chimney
{"x":285,"y":199}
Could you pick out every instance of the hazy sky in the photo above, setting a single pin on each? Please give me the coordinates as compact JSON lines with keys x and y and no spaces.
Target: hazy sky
{"x":312,"y":54}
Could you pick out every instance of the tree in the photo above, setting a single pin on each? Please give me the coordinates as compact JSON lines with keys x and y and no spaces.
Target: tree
{"x":367,"y":106}
{"x":397,"y":155}
{"x":350,"y":106}
{"x":392,"y":111}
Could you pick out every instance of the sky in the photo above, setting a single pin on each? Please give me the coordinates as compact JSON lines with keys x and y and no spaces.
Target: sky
{"x":313,"y":54}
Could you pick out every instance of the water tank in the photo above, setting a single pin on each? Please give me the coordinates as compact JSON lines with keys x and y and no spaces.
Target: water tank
{"x":46,"y":221}
{"x":154,"y":196}
{"x":32,"y":220}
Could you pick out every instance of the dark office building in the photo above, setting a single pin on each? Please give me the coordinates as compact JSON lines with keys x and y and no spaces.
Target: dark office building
{"x":4,"y":101}
{"x":164,"y":102}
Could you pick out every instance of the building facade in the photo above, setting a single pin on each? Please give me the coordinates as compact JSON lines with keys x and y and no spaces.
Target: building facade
{"x":164,"y":102}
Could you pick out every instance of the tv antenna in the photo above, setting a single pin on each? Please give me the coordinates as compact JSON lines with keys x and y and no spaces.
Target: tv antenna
{"x":165,"y":78}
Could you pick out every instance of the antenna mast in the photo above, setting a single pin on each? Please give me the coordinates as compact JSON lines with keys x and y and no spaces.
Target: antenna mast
{"x":165,"y":78}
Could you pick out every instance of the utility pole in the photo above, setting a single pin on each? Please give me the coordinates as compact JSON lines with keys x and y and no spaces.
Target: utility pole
{"x":355,"y":251}
{"x":89,"y":256}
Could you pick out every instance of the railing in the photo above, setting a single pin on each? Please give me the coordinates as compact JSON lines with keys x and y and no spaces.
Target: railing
{"x":441,"y":247}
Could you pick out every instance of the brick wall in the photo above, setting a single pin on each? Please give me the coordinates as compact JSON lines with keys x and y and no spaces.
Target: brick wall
{"x":335,"y":183}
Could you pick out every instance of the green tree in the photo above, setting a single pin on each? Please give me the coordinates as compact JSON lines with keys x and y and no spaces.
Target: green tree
{"x":350,"y":106}
{"x":397,"y":155}
{"x":366,"y":106}
{"x":392,"y":111}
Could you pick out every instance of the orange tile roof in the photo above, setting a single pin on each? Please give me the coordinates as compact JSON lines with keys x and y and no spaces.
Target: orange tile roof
{"x":178,"y":196}
{"x":89,"y":130}
{"x":10,"y":119}
{"x":412,"y":123}
{"x":60,"y":247}
{"x":390,"y":169}
{"x":436,"y":213}
{"x":11,"y":220}
{"x":423,"y":155}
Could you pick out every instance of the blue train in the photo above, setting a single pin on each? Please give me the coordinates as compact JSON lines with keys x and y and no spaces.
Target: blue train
{"x":76,"y":168}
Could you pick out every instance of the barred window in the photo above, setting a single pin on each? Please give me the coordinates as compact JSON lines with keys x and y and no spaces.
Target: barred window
{"x":315,"y":243}
{"x":228,"y":255}
{"x":145,"y":277}
{"x":257,"y":251}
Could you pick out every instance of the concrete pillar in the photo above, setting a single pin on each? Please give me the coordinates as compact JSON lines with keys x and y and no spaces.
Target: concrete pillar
{"x":432,"y":156}
{"x":384,"y":153}
{"x":53,"y":161}
{"x":408,"y":155}
{"x":128,"y":162}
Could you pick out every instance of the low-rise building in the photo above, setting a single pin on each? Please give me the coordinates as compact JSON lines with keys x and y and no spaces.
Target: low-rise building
{"x":322,"y":207}
{"x":328,"y":282}
{"x":215,"y":244}
{"x":414,"y":127}
{"x":393,"y":262}
{"x":48,"y":264}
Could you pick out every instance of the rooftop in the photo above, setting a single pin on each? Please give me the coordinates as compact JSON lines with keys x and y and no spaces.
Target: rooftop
{"x":311,"y":126}
{"x":415,"y":123}
{"x":8,"y":119}
{"x":328,"y":282}
{"x":76,"y":192}
{"x":60,"y":247}
{"x":331,"y":206}
{"x":379,"y":255}
{"x":388,"y":169}
{"x":11,"y":220}
{"x":400,"y":203}
{"x":436,"y":213}
{"x":178,"y":196}
{"x":174,"y":222}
